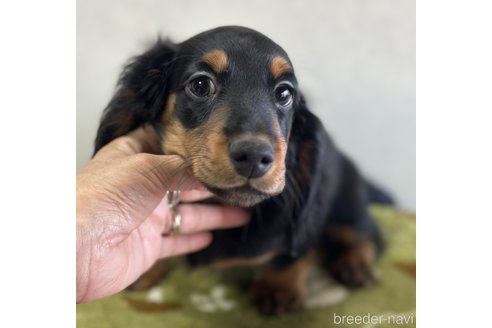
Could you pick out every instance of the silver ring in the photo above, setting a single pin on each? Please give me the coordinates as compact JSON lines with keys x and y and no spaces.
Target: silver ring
{"x":176,"y":227}
{"x":173,"y":198}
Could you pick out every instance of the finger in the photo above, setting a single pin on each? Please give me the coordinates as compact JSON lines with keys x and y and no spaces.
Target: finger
{"x":195,"y":218}
{"x":170,"y":171}
{"x":165,"y":172}
{"x":141,"y":140}
{"x":195,"y":195}
{"x":182,"y":244}
{"x":146,"y":139}
{"x":160,"y":216}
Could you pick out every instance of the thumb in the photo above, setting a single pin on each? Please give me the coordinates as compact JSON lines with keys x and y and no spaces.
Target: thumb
{"x":165,"y":172}
{"x":142,"y":182}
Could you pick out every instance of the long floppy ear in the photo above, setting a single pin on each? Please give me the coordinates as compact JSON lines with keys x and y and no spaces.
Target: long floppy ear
{"x":141,"y":93}
{"x":306,"y":188}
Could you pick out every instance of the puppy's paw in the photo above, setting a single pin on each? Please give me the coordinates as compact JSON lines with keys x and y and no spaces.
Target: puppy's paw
{"x":356,"y":265}
{"x":276,"y":299}
{"x":150,"y":278}
{"x":143,"y":283}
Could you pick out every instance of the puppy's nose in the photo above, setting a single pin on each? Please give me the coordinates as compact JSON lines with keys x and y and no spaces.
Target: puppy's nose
{"x":251,"y":158}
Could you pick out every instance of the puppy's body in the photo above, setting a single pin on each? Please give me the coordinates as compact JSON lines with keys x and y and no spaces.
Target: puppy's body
{"x":227,"y":101}
{"x":323,"y":188}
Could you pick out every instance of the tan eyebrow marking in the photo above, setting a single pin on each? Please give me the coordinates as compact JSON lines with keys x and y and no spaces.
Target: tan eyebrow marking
{"x":280,"y":66}
{"x":216,"y":59}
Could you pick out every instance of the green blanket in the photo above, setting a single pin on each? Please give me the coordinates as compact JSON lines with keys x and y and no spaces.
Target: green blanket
{"x":206,"y":297}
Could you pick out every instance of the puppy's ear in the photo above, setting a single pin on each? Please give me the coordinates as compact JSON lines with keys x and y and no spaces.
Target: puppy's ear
{"x":141,"y":93}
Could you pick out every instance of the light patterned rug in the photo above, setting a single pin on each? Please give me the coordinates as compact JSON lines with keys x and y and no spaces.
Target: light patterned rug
{"x":206,"y":298}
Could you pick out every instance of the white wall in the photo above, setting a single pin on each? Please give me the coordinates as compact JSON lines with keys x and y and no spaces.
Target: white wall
{"x":354,"y":59}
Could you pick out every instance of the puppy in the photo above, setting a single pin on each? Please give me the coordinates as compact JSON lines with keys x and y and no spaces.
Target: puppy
{"x":227,"y":101}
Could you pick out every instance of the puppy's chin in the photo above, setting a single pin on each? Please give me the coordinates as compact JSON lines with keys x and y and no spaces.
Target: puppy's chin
{"x":244,"y":196}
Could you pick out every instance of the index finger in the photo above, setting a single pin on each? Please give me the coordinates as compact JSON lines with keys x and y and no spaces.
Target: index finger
{"x":195,"y":195}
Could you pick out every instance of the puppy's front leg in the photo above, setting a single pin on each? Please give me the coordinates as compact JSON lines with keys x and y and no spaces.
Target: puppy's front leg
{"x":281,"y":290}
{"x":151,"y":277}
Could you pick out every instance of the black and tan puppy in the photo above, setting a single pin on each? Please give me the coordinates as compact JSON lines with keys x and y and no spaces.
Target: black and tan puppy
{"x":227,"y":101}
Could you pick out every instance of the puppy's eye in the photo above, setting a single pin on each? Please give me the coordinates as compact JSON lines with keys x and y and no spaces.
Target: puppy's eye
{"x":284,"y":95}
{"x":201,"y":87}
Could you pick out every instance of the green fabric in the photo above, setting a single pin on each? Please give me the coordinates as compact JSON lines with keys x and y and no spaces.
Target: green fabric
{"x":206,"y":297}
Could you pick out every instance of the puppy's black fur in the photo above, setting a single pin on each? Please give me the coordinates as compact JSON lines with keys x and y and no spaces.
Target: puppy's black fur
{"x":233,"y":88}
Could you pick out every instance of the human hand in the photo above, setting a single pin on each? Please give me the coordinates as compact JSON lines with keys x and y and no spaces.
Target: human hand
{"x":121,"y":214}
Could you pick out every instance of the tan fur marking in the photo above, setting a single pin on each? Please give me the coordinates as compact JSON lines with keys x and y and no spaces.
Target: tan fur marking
{"x":152,"y":276}
{"x":214,"y":166}
{"x":174,"y":132}
{"x":243,"y":261}
{"x":168,"y":111}
{"x":151,"y":307}
{"x":279,"y":66}
{"x":356,"y":266}
{"x":174,"y":137}
{"x":216,"y":59}
{"x":283,"y":290}
{"x":343,"y":235}
{"x":206,"y":149}
{"x":294,"y":274}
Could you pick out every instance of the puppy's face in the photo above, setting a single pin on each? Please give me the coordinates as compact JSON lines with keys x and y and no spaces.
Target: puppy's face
{"x":223,"y":100}
{"x":229,"y":112}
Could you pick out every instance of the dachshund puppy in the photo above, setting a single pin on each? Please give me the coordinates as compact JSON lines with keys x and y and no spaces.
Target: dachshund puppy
{"x":227,"y":101}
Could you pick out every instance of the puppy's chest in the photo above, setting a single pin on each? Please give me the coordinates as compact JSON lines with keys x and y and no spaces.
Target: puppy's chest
{"x":266,"y":235}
